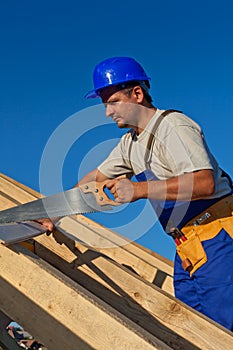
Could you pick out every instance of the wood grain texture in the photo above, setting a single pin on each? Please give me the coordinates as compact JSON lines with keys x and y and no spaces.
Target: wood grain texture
{"x":102,"y":275}
{"x":61,"y":313}
{"x":164,"y":316}
{"x":88,"y":233}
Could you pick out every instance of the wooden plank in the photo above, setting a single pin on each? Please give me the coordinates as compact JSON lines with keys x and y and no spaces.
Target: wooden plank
{"x":86,"y":269}
{"x":61,"y":313}
{"x":17,"y":192}
{"x":6,"y":202}
{"x":28,"y":192}
{"x":148,"y":265}
{"x":120,"y":286}
{"x":18,"y":232}
{"x":116,"y":240}
{"x":119,"y":249}
{"x":146,"y":253}
{"x":160,"y":314}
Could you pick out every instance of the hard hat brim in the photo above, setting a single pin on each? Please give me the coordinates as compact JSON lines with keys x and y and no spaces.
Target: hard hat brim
{"x":91,"y":94}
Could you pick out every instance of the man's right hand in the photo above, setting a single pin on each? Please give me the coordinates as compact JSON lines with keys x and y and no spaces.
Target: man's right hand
{"x":47,"y":223}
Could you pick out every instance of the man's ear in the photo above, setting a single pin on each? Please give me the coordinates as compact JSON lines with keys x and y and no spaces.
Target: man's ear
{"x":138,"y":93}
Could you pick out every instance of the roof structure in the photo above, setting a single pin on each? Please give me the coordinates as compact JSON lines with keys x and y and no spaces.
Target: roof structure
{"x":87,"y":287}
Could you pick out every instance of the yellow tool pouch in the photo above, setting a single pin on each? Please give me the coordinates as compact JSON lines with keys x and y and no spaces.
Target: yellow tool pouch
{"x":204,"y":227}
{"x":192,"y":253}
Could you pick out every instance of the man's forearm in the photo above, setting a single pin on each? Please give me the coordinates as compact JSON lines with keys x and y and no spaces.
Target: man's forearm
{"x":190,"y":186}
{"x":94,"y":175}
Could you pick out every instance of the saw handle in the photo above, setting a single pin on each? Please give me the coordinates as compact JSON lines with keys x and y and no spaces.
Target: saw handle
{"x":98,"y":190}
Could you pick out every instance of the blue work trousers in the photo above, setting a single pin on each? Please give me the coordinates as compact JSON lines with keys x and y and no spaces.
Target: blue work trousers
{"x":210,"y":289}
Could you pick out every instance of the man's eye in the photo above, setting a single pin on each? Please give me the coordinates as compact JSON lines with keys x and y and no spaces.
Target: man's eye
{"x":112,"y":103}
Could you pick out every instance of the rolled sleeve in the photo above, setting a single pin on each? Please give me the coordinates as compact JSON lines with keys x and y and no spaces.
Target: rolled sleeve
{"x":186,"y":150}
{"x":116,"y":163}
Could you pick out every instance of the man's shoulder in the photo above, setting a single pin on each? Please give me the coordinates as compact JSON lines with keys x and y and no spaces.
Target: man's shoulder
{"x":178,"y":118}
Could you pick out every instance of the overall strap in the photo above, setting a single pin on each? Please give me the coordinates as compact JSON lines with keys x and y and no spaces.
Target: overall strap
{"x":152,"y":135}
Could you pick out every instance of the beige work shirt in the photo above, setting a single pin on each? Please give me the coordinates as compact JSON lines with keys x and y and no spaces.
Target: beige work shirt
{"x":179,"y":147}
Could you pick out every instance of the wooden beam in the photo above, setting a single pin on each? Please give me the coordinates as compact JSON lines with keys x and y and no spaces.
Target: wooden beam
{"x":147,"y":264}
{"x":85,"y":232}
{"x":160,"y":314}
{"x":60,"y":312}
{"x":127,"y":295}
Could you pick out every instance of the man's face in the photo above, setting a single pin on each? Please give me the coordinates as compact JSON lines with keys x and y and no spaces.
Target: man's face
{"x":121,"y":107}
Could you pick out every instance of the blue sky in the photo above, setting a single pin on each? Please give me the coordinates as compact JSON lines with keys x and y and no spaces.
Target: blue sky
{"x":48,"y":52}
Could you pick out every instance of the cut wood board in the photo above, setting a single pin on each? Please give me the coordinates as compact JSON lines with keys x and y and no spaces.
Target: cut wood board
{"x":18,"y":232}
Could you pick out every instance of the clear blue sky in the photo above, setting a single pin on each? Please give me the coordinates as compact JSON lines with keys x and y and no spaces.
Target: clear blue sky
{"x":48,"y":52}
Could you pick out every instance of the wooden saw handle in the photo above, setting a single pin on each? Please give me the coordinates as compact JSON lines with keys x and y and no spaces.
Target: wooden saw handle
{"x":97,"y":189}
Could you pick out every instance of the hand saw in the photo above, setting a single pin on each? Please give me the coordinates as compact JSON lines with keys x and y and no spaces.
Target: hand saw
{"x":86,"y":198}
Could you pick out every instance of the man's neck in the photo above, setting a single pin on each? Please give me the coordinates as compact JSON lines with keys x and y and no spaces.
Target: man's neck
{"x":144,"y":119}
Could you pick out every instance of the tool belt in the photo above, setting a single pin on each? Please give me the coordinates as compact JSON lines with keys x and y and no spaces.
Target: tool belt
{"x":203,"y":227}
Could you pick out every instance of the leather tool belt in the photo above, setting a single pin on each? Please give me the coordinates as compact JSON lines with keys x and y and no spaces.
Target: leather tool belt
{"x":203,"y":227}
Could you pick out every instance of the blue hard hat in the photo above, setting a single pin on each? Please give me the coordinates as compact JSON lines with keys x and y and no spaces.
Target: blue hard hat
{"x":114,"y":71}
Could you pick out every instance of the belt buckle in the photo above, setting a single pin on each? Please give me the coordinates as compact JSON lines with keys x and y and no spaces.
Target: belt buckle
{"x":201,"y":219}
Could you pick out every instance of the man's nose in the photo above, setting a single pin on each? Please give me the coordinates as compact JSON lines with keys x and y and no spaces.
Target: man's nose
{"x":109,"y":110}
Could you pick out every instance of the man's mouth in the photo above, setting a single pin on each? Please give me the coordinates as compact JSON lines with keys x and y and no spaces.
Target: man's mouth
{"x":116,"y":119}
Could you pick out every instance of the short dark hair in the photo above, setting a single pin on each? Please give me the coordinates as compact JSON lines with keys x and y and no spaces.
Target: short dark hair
{"x":145,"y":85}
{"x":124,"y":87}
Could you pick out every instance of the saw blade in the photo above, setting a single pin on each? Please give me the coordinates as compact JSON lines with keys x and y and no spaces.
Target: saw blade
{"x":66,"y":203}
